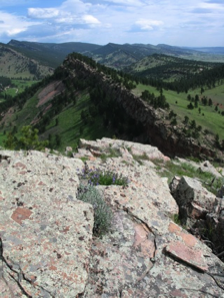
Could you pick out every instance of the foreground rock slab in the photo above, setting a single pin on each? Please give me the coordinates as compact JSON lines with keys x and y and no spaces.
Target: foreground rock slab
{"x":47,"y":247}
{"x":45,"y":232}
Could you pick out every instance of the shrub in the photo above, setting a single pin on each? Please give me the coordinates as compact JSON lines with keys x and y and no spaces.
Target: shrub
{"x":102,"y":212}
{"x":27,"y":141}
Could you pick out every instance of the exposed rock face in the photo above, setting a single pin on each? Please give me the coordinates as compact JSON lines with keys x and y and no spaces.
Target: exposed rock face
{"x":193,"y":200}
{"x":46,"y":234}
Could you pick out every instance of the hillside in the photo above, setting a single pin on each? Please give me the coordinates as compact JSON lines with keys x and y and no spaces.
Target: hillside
{"x":168,"y":68}
{"x":25,"y":62}
{"x":114,"y":55}
{"x":15,"y":65}
{"x":121,"y":56}
{"x":86,"y":99}
{"x":50,"y":54}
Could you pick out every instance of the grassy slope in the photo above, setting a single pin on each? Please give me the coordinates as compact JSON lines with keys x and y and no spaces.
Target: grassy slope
{"x":71,"y":127}
{"x":50,"y":54}
{"x":167,"y":68}
{"x":20,"y":86}
{"x":16,"y":65}
{"x":212,"y":120}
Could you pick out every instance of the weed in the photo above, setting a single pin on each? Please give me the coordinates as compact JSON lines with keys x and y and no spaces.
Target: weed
{"x":176,"y":219}
{"x":70,"y":154}
{"x":103,"y":157}
{"x":140,"y":158}
{"x":102,"y":212}
{"x":113,"y":152}
{"x":84,"y":158}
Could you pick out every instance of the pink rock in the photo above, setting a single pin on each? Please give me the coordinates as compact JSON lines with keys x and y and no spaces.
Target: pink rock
{"x":189,"y":255}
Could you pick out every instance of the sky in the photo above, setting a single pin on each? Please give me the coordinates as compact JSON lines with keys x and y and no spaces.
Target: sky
{"x":193,"y":23}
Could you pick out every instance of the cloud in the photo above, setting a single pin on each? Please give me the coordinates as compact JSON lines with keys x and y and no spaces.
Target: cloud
{"x":75,"y":6}
{"x":43,"y":13}
{"x":71,"y":12}
{"x":124,"y":2}
{"x":88,"y":19}
{"x":19,"y":24}
{"x":101,"y":21}
{"x":146,"y":25}
{"x":212,"y":5}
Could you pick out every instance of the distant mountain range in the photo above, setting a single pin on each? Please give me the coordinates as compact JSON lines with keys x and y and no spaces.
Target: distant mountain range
{"x":35,"y":60}
{"x":210,"y":50}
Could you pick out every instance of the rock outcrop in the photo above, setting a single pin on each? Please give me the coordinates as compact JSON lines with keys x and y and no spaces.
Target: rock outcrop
{"x":47,"y":247}
{"x":201,"y":211}
{"x":193,"y":200}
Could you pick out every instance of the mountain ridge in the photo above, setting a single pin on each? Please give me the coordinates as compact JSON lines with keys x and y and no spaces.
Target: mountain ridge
{"x":53,"y":54}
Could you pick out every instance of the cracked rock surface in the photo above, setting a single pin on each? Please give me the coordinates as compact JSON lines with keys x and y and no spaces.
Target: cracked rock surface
{"x":45,"y":232}
{"x":47,"y":248}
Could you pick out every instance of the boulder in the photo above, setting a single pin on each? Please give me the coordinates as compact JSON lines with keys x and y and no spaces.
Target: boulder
{"x":192,"y":198}
{"x":124,"y":148}
{"x":200,"y":210}
{"x":206,"y":166}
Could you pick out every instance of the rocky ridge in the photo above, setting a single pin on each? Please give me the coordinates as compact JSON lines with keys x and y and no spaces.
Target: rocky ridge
{"x":47,"y":248}
{"x":157,"y":130}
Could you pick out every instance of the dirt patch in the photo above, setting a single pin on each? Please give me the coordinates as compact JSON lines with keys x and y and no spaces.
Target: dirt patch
{"x":50,"y":91}
{"x":7,"y":116}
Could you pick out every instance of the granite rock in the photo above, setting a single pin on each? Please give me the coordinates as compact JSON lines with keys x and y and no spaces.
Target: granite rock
{"x":47,"y":247}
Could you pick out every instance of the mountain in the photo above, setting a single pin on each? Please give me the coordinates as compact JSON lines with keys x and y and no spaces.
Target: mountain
{"x":50,"y":54}
{"x":121,"y":56}
{"x":210,"y":50}
{"x":170,"y":68}
{"x":14,"y":64}
{"x":112,"y":55}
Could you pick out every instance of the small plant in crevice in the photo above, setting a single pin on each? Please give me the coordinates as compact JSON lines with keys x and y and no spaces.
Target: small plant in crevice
{"x":102,"y":212}
{"x":100,"y":177}
{"x":176,"y":219}
{"x":140,"y":158}
{"x":112,"y":152}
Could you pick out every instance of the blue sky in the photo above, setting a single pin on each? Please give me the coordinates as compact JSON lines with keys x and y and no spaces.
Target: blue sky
{"x":174,"y":22}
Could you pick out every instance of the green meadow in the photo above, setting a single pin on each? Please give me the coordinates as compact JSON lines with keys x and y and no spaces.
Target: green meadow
{"x":208,"y":118}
